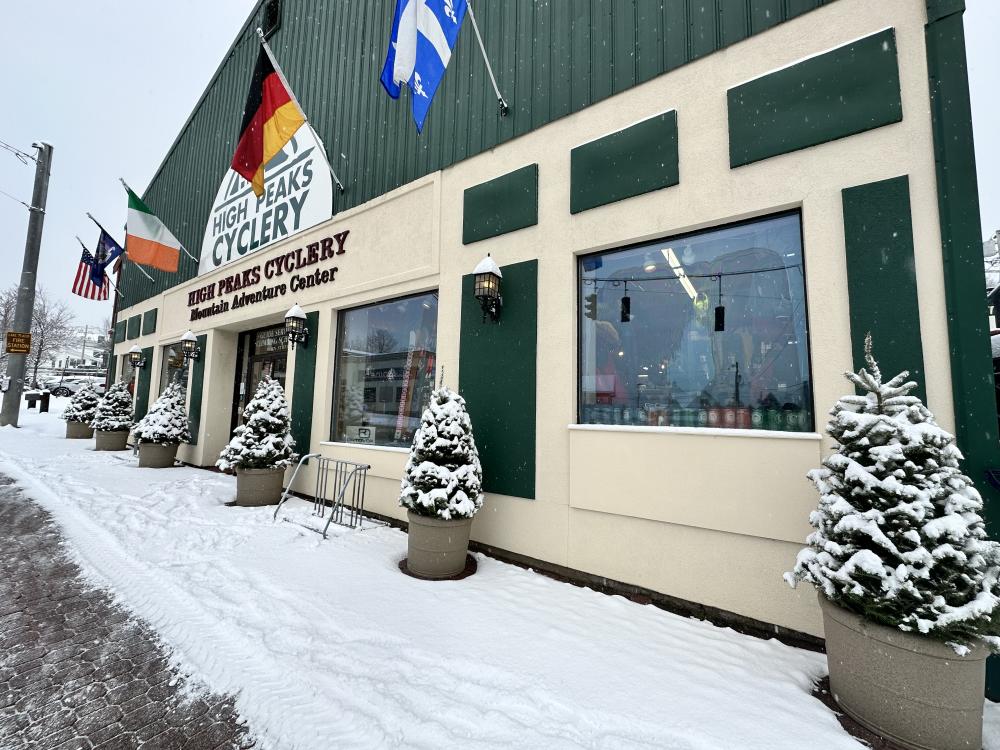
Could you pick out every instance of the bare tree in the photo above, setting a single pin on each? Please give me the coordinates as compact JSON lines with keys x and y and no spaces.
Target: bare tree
{"x":51,"y":329}
{"x":381,"y":341}
{"x":8,"y":301}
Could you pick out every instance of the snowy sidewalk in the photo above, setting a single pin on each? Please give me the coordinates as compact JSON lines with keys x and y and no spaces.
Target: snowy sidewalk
{"x":326,"y":644}
{"x":75,"y":671}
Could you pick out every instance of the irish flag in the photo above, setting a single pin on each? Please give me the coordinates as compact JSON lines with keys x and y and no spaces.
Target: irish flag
{"x":147,"y":240}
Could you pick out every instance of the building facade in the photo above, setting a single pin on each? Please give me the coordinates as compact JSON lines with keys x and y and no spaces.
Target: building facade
{"x":698,"y":210}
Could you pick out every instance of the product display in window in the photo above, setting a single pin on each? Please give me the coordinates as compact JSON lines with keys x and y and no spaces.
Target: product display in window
{"x":385,"y":370}
{"x":704,"y":330}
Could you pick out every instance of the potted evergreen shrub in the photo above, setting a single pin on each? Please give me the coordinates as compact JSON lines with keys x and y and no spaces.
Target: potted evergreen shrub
{"x":79,"y":413}
{"x":113,"y":419}
{"x":261,"y":448}
{"x":906,"y":578}
{"x":441,"y":488}
{"x":163,"y":428}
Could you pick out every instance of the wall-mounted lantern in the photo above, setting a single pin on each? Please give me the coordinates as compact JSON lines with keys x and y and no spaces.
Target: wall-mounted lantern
{"x":487,"y":278}
{"x":135,"y":358}
{"x":295,"y":326}
{"x":189,"y":347}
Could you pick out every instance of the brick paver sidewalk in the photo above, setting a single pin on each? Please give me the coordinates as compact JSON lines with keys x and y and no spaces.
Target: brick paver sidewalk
{"x":75,"y":670}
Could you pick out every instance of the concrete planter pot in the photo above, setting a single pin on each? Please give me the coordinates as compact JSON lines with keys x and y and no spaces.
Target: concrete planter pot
{"x":910,"y":689}
{"x":156,"y":456}
{"x":259,"y":486}
{"x":436,"y":548}
{"x":78,"y":430}
{"x":111,"y":440}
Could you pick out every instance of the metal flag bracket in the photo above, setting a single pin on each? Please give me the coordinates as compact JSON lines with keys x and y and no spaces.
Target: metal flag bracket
{"x":504,"y":107}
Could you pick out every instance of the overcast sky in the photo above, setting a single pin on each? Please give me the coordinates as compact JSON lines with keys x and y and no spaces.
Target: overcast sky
{"x":109,"y":85}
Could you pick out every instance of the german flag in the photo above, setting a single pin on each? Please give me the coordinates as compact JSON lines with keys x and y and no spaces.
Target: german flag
{"x":270,"y":118}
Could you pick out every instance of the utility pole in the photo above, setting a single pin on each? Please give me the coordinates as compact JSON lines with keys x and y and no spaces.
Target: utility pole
{"x":83,"y":352}
{"x":16,"y":363}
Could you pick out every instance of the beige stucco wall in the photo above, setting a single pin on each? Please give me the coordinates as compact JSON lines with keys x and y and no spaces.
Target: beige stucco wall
{"x":714,"y":518}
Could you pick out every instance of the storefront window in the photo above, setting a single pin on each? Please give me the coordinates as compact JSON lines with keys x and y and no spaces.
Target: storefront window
{"x":128,"y":373}
{"x":173,"y":367}
{"x":704,"y":330}
{"x":385,"y":370}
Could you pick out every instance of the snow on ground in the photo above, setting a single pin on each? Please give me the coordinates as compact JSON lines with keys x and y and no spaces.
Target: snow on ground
{"x":326,"y":644}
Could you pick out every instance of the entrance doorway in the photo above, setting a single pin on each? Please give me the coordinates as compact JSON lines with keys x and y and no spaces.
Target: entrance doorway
{"x":260,"y":353}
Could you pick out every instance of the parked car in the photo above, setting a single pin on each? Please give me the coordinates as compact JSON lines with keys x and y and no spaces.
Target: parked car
{"x":69,"y":385}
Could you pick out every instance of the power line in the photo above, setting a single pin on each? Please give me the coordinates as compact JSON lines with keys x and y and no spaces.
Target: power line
{"x":21,"y":156}
{"x":16,"y":200}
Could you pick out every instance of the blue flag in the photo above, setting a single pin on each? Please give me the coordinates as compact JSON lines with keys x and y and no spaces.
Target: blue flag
{"x":107,"y":252}
{"x":424,"y":33}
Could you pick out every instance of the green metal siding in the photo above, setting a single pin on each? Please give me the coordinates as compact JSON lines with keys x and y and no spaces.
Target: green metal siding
{"x":502,"y":205}
{"x":497,"y":378}
{"x":551,"y":57}
{"x":849,"y":90}
{"x":631,"y":162}
{"x":303,"y":386}
{"x":882,"y":278}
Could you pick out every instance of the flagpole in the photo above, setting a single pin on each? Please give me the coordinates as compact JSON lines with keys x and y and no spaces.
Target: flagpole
{"x":125,"y":185}
{"x":284,"y":82}
{"x":91,"y":217}
{"x":106,"y":275}
{"x":504,"y":108}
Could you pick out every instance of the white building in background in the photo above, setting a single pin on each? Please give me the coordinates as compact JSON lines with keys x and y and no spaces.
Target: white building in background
{"x":89,"y":349}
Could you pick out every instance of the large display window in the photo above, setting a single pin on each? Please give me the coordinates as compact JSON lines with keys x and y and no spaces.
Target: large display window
{"x":701,"y":330}
{"x":385,"y":370}
{"x":174,"y":367}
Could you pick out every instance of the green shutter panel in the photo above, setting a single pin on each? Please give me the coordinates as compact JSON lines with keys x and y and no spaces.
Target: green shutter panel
{"x":142,"y":384}
{"x":149,"y":322}
{"x":882,"y":277}
{"x":197,"y":388}
{"x":497,"y":375}
{"x":303,"y":386}
{"x":849,"y":90}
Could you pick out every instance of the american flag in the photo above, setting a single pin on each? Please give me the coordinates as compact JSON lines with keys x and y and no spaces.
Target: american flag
{"x":83,"y":284}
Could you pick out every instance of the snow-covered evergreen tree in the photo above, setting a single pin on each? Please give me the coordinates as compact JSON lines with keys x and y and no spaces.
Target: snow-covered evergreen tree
{"x":899,"y":538}
{"x":166,"y":422}
{"x":263,"y":440}
{"x":114,"y":412}
{"x":81,"y":406}
{"x":443,"y":477}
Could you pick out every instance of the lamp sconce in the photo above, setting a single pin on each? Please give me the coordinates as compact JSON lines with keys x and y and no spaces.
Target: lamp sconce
{"x":486,"y":283}
{"x":135,"y":358}
{"x":295,"y":326}
{"x":189,"y":347}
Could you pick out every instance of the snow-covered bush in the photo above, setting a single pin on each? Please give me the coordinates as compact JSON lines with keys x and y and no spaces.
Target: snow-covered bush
{"x":114,"y":412}
{"x":263,"y":440}
{"x":899,"y":538}
{"x":81,"y":406}
{"x":166,"y":422}
{"x":443,"y":477}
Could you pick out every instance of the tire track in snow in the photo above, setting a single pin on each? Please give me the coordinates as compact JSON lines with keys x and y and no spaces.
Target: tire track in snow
{"x":233,"y":663}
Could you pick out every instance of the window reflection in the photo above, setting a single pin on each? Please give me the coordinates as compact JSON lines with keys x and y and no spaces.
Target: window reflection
{"x":385,"y":370}
{"x":173,"y":367}
{"x":702,"y":330}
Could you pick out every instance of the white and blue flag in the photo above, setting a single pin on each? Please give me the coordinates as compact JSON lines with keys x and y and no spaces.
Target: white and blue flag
{"x":424,"y":33}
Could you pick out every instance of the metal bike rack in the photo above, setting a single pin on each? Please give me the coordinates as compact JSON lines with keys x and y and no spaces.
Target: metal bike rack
{"x":340,"y":485}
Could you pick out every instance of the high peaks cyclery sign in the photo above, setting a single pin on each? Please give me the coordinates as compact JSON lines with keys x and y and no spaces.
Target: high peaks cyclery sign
{"x":298,"y":194}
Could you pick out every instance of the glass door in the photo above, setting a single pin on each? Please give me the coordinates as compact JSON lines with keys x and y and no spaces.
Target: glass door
{"x":261,"y":353}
